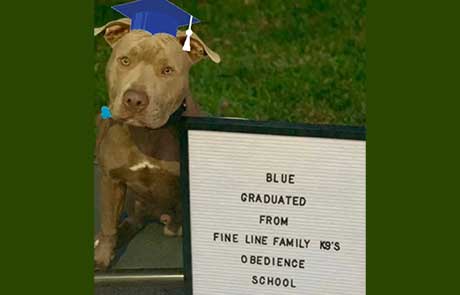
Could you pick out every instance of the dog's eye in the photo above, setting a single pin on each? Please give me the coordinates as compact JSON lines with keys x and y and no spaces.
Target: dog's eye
{"x":124,"y":60}
{"x":167,"y":70}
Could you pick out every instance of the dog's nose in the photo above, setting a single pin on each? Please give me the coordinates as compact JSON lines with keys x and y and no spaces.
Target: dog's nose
{"x":135,"y":101}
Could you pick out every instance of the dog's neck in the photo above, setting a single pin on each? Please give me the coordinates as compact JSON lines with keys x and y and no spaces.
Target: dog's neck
{"x":161,"y":143}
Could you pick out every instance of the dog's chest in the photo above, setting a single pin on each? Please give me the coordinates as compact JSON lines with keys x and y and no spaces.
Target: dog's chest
{"x":146,"y":161}
{"x":156,"y":174}
{"x":161,"y":144}
{"x":150,"y":180}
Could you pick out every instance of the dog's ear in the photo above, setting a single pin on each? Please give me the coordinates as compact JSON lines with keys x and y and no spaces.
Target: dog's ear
{"x":114,"y":30}
{"x":199,"y":50}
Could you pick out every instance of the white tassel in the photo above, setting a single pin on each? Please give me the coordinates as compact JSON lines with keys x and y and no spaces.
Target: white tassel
{"x":189,"y":34}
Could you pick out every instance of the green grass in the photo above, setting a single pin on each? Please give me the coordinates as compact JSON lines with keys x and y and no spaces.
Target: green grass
{"x":297,"y":61}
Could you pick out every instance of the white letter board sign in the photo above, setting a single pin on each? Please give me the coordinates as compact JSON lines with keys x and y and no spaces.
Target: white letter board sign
{"x":273,"y":208}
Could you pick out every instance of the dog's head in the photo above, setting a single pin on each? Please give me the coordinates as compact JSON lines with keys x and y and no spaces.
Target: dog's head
{"x":147,"y":75}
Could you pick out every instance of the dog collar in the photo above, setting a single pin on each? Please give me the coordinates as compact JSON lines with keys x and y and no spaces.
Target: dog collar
{"x":177,"y":115}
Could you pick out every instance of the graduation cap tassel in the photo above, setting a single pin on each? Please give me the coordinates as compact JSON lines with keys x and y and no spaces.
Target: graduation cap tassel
{"x":189,"y":35}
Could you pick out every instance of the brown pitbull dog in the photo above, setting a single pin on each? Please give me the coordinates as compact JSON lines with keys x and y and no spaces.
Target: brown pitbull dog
{"x":148,"y":83}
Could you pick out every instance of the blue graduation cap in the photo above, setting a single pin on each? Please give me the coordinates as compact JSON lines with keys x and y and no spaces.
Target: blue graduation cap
{"x":156,"y":16}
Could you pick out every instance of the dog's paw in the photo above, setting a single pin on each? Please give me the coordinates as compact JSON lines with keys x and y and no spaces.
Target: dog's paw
{"x":172,"y":232}
{"x":171,"y":229}
{"x":103,"y":253}
{"x":165,"y":219}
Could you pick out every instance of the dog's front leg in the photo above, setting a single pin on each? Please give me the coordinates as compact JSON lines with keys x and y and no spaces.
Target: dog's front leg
{"x":112,"y":201}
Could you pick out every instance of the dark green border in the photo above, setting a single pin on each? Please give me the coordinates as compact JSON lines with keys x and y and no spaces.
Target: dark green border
{"x":46,"y":146}
{"x":250,"y":127}
{"x":413,"y":147}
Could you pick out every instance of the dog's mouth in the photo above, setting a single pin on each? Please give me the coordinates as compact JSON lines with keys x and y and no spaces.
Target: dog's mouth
{"x":151,"y":121}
